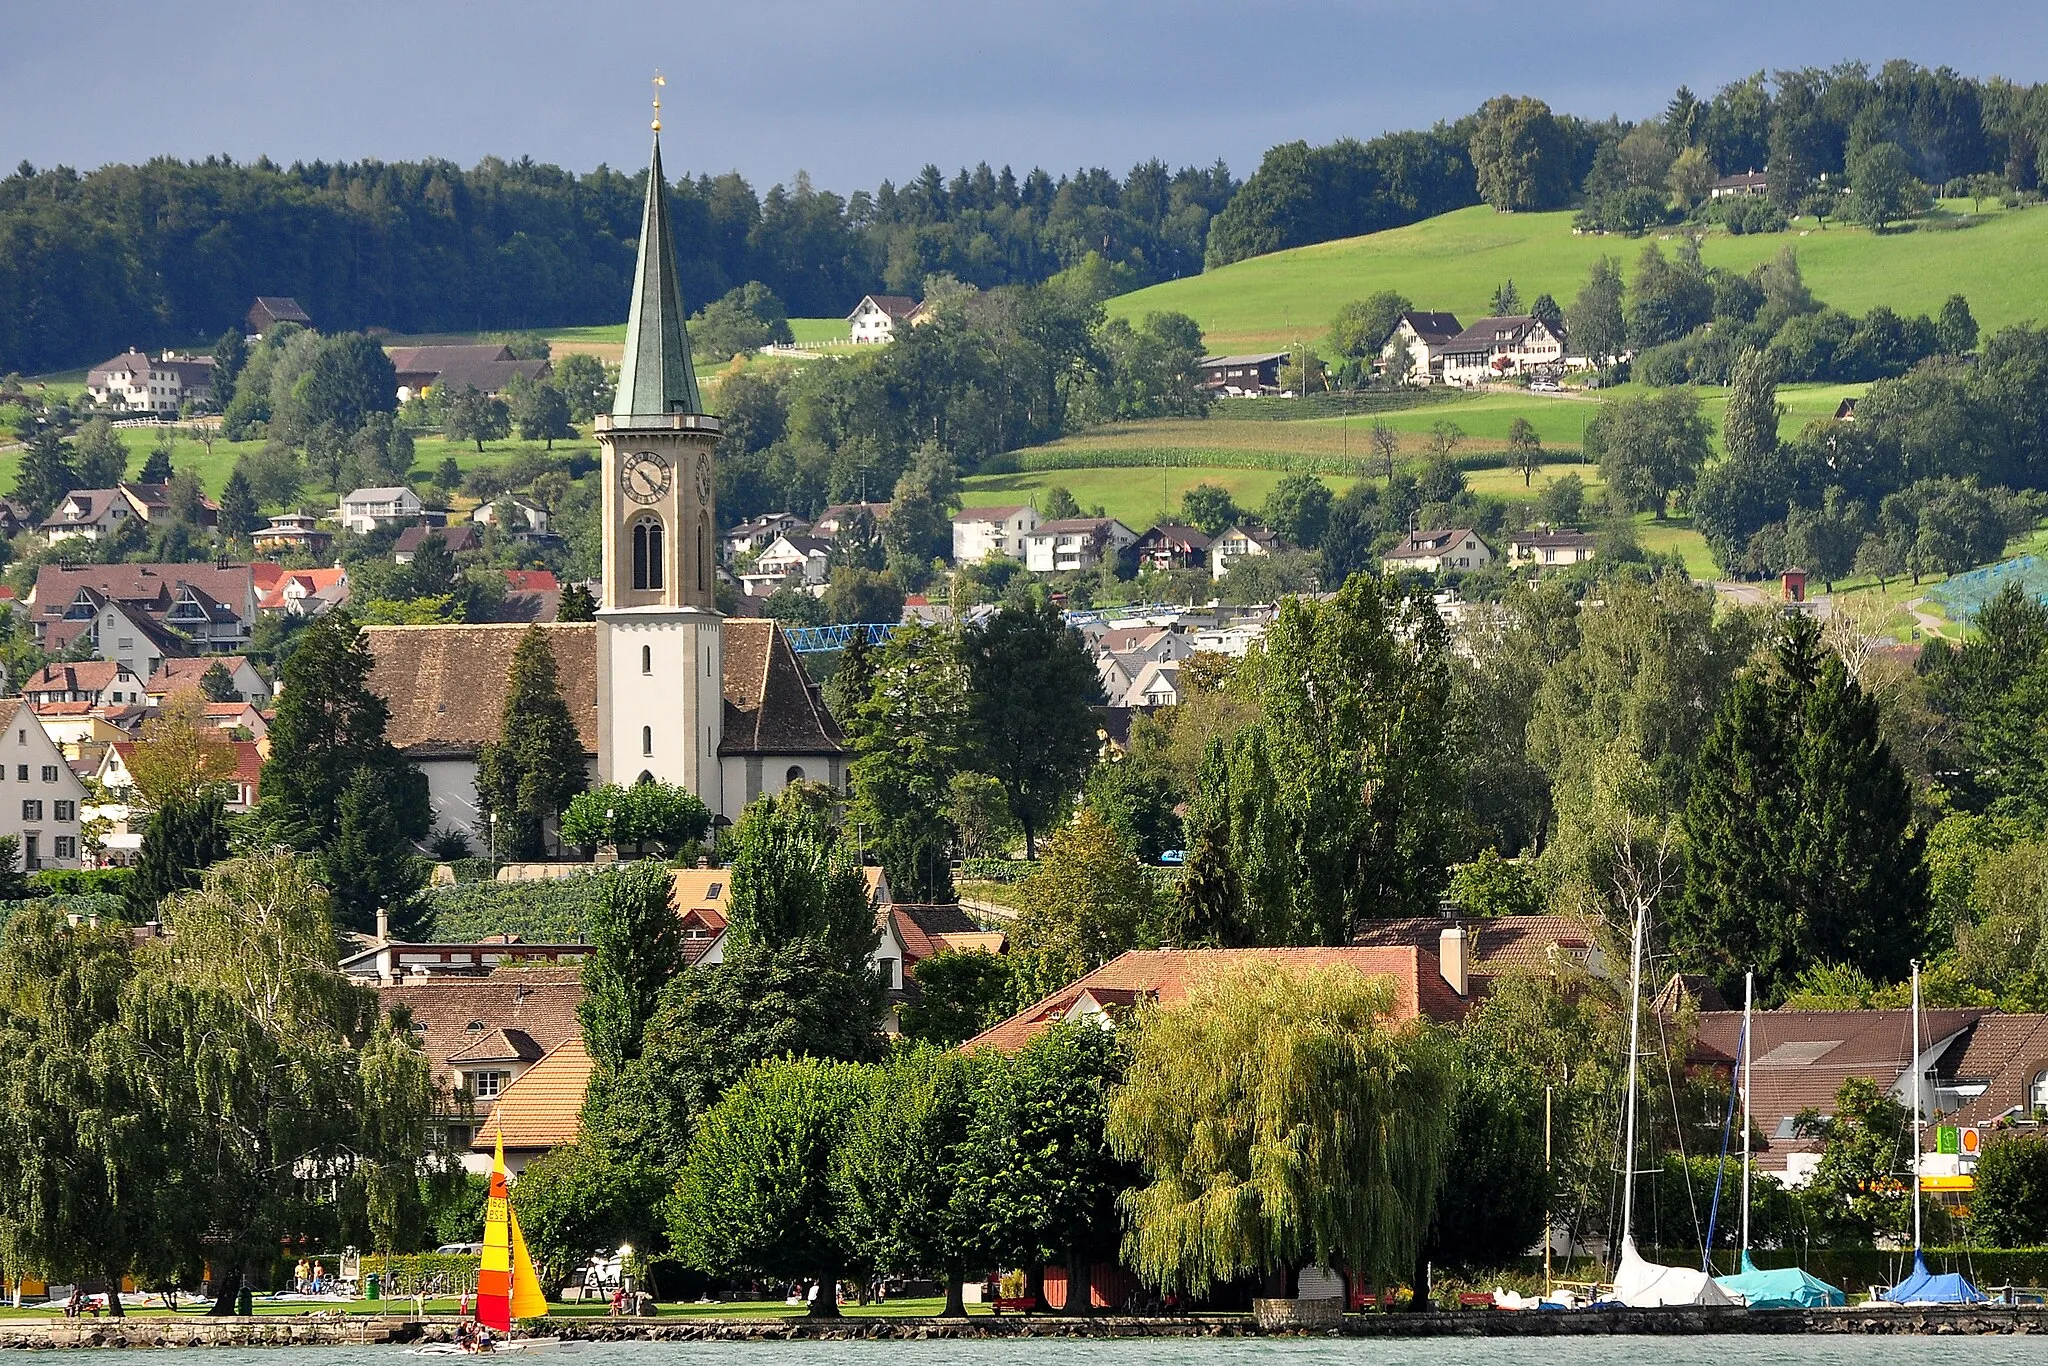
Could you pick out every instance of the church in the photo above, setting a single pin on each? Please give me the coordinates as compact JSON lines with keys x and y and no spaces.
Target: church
{"x":661,"y":686}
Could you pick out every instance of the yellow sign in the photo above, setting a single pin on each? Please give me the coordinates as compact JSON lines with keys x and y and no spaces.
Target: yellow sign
{"x":1948,"y":1183}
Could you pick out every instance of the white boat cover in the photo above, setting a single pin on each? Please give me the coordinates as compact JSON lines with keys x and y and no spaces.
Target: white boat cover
{"x":1646,"y":1285}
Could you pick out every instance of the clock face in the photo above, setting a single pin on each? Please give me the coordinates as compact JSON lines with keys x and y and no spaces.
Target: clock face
{"x":644,"y":477}
{"x":704,"y":483}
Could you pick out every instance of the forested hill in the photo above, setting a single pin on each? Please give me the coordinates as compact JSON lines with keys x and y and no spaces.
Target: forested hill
{"x":173,"y":252}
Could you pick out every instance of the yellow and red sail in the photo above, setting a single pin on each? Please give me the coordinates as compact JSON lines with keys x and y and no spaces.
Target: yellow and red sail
{"x":506,"y":1287}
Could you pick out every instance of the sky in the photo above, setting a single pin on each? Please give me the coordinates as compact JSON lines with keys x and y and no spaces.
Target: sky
{"x":856,"y":92}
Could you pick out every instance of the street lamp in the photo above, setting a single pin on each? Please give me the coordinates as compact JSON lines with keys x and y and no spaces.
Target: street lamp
{"x":494,"y":846}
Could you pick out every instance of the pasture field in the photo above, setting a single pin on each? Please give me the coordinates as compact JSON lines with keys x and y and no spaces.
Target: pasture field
{"x":1456,"y":260}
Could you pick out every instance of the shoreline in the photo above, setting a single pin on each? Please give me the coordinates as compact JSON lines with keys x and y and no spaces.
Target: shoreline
{"x":394,"y":1330}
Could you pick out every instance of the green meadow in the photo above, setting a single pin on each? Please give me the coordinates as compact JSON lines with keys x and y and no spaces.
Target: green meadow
{"x":1455,"y":261}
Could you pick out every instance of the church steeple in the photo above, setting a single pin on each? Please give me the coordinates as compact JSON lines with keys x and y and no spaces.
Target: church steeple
{"x":655,"y":376}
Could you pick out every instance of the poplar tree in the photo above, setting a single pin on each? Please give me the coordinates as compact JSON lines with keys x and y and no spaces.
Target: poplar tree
{"x":537,"y":764}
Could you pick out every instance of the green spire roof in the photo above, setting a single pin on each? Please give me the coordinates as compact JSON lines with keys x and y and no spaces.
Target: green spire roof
{"x":655,"y":377}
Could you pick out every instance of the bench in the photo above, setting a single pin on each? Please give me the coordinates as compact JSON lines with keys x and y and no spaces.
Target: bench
{"x":1022,"y":1304}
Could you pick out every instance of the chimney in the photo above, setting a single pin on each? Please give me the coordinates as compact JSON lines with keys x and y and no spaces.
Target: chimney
{"x":1450,"y":954}
{"x":385,"y":972}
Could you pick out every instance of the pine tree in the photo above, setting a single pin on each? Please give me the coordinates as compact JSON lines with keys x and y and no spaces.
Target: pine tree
{"x":369,"y":866}
{"x":577,"y":604}
{"x":102,"y":459}
{"x":185,"y":836}
{"x":636,"y":948}
{"x":238,"y":516}
{"x":157,"y":469}
{"x":537,"y":764}
{"x":852,"y":683}
{"x":218,"y":685}
{"x":46,"y":473}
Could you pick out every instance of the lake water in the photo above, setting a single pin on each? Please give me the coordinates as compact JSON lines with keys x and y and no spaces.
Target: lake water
{"x":1715,"y":1350}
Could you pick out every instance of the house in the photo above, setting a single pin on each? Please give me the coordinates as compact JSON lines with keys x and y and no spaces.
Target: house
{"x":481,"y":1035}
{"x":1157,"y":685}
{"x":139,"y":383}
{"x":177,"y":675}
{"x":293,"y":533}
{"x":839,"y":516}
{"x":458,"y":539}
{"x":776,"y":728}
{"x":1494,"y":347}
{"x":532,"y":520}
{"x":1738,"y":186}
{"x":161,"y":610}
{"x":93,"y":514}
{"x":1423,"y":334}
{"x":986,"y":532}
{"x":1433,"y":552}
{"x":1845,"y":411}
{"x":1242,"y":376}
{"x":40,"y":795}
{"x":756,"y":532}
{"x":99,"y":682}
{"x":1108,"y":995}
{"x":1240,"y":542}
{"x":365,"y":510}
{"x":876,"y":317}
{"x":485,"y":368}
{"x":307,"y":592}
{"x":1232,"y":641}
{"x":1075,"y":543}
{"x":1174,"y":545}
{"x":792,"y":555}
{"x":538,"y":1111}
{"x":271,"y":309}
{"x":1483,"y":948}
{"x":1547,"y":548}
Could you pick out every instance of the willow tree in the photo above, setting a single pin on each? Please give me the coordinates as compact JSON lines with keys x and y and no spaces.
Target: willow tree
{"x":1282,"y":1120}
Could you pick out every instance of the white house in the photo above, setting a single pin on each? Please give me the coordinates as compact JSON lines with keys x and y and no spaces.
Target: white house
{"x":1433,"y":552}
{"x":1238,"y":543}
{"x":1075,"y":543}
{"x":533,"y":516}
{"x":1547,"y":548}
{"x":980,"y":533}
{"x":39,"y":794}
{"x":1158,"y":685}
{"x":876,"y":317}
{"x":1495,"y":347}
{"x":1423,"y":334}
{"x":1234,"y":641}
{"x":756,"y":532}
{"x":139,"y":384}
{"x":367,"y":509}
{"x":808,"y":558}
{"x":99,"y":682}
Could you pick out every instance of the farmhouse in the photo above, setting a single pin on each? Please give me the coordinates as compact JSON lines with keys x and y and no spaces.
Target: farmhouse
{"x":1737,"y":186}
{"x":1494,"y":347}
{"x":486,"y":369}
{"x":364,"y":510}
{"x":1238,"y":543}
{"x":1546,"y":548}
{"x":1433,"y":552}
{"x":1243,"y":376}
{"x":875,"y":318}
{"x":271,"y":309}
{"x":140,"y":384}
{"x":1423,"y":335}
{"x":980,"y":533}
{"x":1172,"y":545}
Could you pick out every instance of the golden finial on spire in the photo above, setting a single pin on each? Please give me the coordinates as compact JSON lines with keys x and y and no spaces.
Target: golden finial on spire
{"x":658,"y":84}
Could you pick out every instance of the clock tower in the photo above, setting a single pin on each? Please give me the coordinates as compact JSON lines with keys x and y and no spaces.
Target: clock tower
{"x":659,"y":666}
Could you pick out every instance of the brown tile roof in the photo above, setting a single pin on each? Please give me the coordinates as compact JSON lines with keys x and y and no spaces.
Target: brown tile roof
{"x":540,"y":1003}
{"x":89,"y":675}
{"x":2005,"y":1053}
{"x":1164,"y":975}
{"x":771,"y":706}
{"x":542,"y":1108}
{"x":153,"y":585}
{"x":501,"y":1045}
{"x":446,"y":684}
{"x":999,"y":513}
{"x":171,"y":673}
{"x":926,"y":930}
{"x":1493,"y":945}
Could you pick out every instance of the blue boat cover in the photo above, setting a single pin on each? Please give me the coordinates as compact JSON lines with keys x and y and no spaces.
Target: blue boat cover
{"x":1924,"y":1287}
{"x":1785,"y":1288}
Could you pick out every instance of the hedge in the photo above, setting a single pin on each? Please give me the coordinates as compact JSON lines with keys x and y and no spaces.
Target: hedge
{"x":436,"y":1274}
{"x":556,"y":911}
{"x":81,"y":881}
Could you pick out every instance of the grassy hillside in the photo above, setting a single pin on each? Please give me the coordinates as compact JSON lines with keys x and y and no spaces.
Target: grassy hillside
{"x":1455,"y":262}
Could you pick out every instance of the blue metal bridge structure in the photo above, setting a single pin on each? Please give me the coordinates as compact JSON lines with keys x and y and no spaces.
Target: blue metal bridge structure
{"x":816,"y":640}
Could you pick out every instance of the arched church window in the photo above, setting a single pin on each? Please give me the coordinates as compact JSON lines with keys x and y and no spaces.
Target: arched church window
{"x":795,"y":774}
{"x":647,"y":554}
{"x":647,"y":659}
{"x":647,"y":739}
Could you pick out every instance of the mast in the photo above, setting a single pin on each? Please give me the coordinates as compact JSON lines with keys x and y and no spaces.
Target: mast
{"x":1748,"y":1003}
{"x":1916,"y":1106}
{"x":1635,"y":1025}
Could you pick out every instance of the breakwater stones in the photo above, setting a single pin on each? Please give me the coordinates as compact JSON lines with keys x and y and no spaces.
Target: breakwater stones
{"x":267,"y":1331}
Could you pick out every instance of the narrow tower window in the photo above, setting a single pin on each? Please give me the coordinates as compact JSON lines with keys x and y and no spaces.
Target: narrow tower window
{"x":647,"y":659}
{"x":646,"y":740}
{"x":647,"y":554}
{"x":704,"y":554}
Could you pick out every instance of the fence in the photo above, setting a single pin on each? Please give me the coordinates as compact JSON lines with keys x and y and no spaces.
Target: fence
{"x":1964,"y":594}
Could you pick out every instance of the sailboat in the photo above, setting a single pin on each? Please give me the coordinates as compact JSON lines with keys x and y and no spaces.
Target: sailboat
{"x":506,"y":1288}
{"x":1783,"y":1287}
{"x":1923,"y":1286}
{"x":1640,"y":1284}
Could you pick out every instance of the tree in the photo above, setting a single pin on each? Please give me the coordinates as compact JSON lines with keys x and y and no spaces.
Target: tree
{"x":1058,"y":504}
{"x":911,"y":734}
{"x":1085,"y":903}
{"x":1881,"y":185}
{"x":1562,"y":501}
{"x":1598,"y":329}
{"x":636,"y":949}
{"x":238,"y":515}
{"x":960,"y":992}
{"x":2009,"y":1207}
{"x":102,"y":459}
{"x":1749,"y":429}
{"x":582,"y":379}
{"x":1361,"y":328}
{"x":218,"y":685}
{"x":1030,"y":685}
{"x":1263,"y":1112}
{"x":665,"y":815}
{"x":542,"y":414}
{"x":741,"y":323}
{"x":1957,"y":326}
{"x":528,"y":776}
{"x":156,"y":469}
{"x":862,"y":595}
{"x":1855,"y":1192}
{"x":1649,"y":447}
{"x":329,"y":726}
{"x":350,"y":378}
{"x":1492,"y":886}
{"x":179,"y":753}
{"x":903,"y":1167}
{"x":1515,"y":150}
{"x":371,"y":865}
{"x":468,"y":415}
{"x":1692,"y":176}
{"x":1299,"y":508}
{"x":1209,"y":508}
{"x":1491,"y":1198}
{"x":577,"y":604}
{"x":1525,"y":448}
{"x":187,"y":833}
{"x":1386,"y":444}
{"x":756,"y":1194}
{"x":1506,"y":301}
{"x":1803,"y":849}
{"x":46,"y":473}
